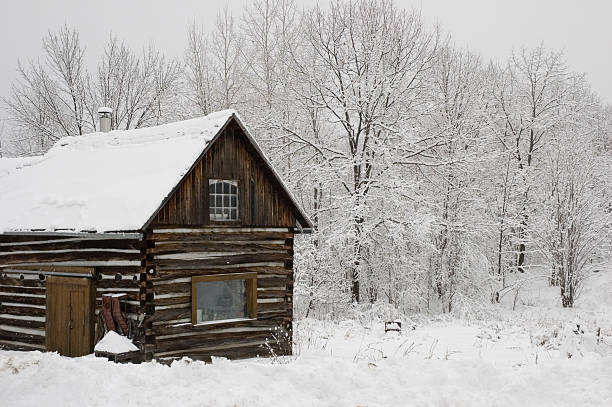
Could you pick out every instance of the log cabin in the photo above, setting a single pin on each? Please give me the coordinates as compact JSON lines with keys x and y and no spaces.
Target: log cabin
{"x":188,"y":222}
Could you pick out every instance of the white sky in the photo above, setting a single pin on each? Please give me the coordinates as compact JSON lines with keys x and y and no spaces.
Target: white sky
{"x":492,"y":28}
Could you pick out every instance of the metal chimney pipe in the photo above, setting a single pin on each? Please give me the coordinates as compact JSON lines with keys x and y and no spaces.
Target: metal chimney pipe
{"x":106,"y":118}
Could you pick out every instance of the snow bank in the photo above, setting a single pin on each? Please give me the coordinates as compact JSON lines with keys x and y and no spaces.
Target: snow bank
{"x":314,"y":380}
{"x":102,"y":181}
{"x":11,"y":164}
{"x":520,"y":360}
{"x":115,"y":343}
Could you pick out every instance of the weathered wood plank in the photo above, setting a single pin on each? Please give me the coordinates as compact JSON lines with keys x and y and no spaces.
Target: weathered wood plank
{"x":262,"y":272}
{"x":22,"y":290}
{"x":15,"y":310}
{"x":22,"y":299}
{"x":124,"y":283}
{"x":22,"y":337}
{"x":188,"y":328}
{"x":21,"y":283}
{"x":75,"y":244}
{"x":22,"y":323}
{"x":225,"y":236}
{"x":182,"y":300}
{"x":217,"y":246}
{"x":232,"y":339}
{"x":24,"y":258}
{"x":14,"y":345}
{"x":228,"y":260}
{"x":248,"y":349}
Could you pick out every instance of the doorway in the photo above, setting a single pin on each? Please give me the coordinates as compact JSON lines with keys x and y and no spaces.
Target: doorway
{"x":70,"y":305}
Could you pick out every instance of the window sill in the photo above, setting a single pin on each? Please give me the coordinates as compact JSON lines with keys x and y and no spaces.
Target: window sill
{"x":224,"y":321}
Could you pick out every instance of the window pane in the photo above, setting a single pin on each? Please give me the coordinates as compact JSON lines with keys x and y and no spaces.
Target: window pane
{"x":218,"y":300}
{"x":223,"y":195}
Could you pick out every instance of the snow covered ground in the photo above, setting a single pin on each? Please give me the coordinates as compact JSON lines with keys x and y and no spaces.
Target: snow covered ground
{"x":516,"y":358}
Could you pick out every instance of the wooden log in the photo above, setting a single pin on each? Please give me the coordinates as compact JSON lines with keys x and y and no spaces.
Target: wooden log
{"x":27,"y":311}
{"x":13,"y":345}
{"x":21,"y":283}
{"x":73,"y":244}
{"x":272,"y":314}
{"x":25,"y":258}
{"x":124,"y":283}
{"x":169,"y":314}
{"x":264,"y":281}
{"x":123,"y":270}
{"x":220,"y":236}
{"x":229,"y":259}
{"x":23,"y":323}
{"x":22,"y":337}
{"x":161,"y":289}
{"x":182,"y":300}
{"x":270,"y":294}
{"x":30,"y":237}
{"x":216,"y":246}
{"x":22,"y":300}
{"x":188,"y":328}
{"x":230,"y":339}
{"x":22,"y":290}
{"x":262,"y":271}
{"x":273,"y":307}
{"x":247,"y":350}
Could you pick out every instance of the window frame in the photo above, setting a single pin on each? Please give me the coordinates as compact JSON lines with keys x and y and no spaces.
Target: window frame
{"x":224,"y":221}
{"x":251,"y":295}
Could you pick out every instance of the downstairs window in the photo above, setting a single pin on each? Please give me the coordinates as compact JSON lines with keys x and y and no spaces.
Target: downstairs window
{"x":223,"y":297}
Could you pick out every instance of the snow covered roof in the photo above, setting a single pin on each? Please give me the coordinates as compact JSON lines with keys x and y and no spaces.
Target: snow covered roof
{"x":104,"y":182}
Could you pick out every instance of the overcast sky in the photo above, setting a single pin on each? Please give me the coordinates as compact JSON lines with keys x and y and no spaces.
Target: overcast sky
{"x":492,"y":28}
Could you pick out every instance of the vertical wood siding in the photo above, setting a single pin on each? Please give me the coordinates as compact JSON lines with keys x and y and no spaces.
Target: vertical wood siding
{"x":262,"y":202}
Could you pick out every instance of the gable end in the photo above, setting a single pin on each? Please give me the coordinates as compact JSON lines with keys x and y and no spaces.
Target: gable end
{"x":263,"y":200}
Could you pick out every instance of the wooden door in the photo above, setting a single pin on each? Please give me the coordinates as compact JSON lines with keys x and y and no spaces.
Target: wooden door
{"x":69,"y":315}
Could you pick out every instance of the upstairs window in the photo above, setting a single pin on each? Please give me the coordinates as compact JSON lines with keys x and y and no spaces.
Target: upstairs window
{"x":223,"y":200}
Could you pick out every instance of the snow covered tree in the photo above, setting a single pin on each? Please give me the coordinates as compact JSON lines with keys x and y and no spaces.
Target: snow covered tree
{"x":368,"y":76}
{"x":529,"y":95}
{"x":576,"y":222}
{"x":49,"y":100}
{"x":137,"y":88}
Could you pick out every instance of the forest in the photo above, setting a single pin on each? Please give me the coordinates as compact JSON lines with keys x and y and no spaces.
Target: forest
{"x":438,"y":181}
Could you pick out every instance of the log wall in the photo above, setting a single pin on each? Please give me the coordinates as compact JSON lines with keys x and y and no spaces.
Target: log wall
{"x":118,"y":261}
{"x":175,"y":255}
